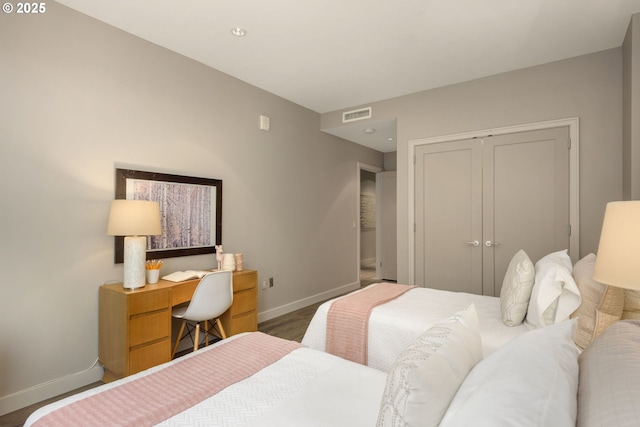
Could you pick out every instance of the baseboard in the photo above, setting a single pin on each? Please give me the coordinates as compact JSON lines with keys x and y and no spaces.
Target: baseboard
{"x":50,"y":389}
{"x":296,"y":305}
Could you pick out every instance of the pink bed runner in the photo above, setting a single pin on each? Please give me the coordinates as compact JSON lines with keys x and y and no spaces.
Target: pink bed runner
{"x":348,"y":320}
{"x":151,"y":399}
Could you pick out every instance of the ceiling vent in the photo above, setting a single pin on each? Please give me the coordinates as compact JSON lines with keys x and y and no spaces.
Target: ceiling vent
{"x":352,"y":116}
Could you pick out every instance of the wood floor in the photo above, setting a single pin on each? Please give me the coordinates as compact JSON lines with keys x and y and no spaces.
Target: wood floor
{"x":291,"y":326}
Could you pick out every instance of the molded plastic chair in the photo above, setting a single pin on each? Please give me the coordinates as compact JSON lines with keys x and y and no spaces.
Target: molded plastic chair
{"x":212,"y":297}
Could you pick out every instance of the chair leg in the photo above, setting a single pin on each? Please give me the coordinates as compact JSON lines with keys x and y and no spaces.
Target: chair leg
{"x":197,"y":337}
{"x":221,"y":329}
{"x":175,"y":347}
{"x":206,"y":338}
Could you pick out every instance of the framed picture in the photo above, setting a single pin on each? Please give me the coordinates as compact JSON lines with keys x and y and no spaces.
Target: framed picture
{"x":190,"y":212}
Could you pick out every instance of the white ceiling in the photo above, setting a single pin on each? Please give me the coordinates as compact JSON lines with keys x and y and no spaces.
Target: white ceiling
{"x":328,"y":55}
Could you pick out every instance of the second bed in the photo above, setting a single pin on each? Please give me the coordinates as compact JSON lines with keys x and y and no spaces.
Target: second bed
{"x":396,"y":323}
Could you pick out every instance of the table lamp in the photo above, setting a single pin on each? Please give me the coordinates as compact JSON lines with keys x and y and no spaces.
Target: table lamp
{"x":134,"y":219}
{"x":618,"y":258}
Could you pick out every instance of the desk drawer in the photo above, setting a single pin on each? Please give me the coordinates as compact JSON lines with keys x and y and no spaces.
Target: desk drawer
{"x":242,"y":280}
{"x":247,"y":322}
{"x":243,"y":302}
{"x":149,"y":355}
{"x":149,"y":327}
{"x":150,"y":301}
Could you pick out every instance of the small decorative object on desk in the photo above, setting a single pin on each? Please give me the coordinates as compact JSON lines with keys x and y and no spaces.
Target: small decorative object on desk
{"x":219,"y":256}
{"x":153,"y":270}
{"x":229,"y":262}
{"x":239,"y":266}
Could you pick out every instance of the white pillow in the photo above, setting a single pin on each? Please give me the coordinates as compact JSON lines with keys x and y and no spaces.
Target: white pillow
{"x":516,"y":289}
{"x":555,"y":294}
{"x":426,"y":375}
{"x":530,"y":381}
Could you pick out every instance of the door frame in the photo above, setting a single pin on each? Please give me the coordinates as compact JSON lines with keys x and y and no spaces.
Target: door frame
{"x":574,"y":174}
{"x":370,"y":168}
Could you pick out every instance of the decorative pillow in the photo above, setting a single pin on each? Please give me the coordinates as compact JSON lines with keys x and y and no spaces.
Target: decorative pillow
{"x":631,"y":304}
{"x":555,"y":294}
{"x":530,"y":381}
{"x":426,"y":375}
{"x":609,"y":383}
{"x":516,"y":289}
{"x":601,"y":304}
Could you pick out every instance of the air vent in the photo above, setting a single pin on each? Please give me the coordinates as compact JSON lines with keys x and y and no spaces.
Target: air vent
{"x":352,"y":116}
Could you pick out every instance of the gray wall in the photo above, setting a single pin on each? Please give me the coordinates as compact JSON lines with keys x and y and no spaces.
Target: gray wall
{"x":80,"y":98}
{"x":588,"y":87}
{"x":631,"y":118}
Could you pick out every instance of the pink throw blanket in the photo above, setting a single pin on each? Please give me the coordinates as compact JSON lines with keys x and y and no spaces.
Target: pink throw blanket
{"x":348,"y":320}
{"x":156,"y":397}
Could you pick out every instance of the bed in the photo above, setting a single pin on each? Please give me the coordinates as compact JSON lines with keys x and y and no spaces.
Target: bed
{"x":394,"y":320}
{"x":290,"y":384}
{"x":394,"y":324}
{"x":441,"y":378}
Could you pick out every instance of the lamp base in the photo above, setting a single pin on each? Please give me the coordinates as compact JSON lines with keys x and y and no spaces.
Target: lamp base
{"x":135,"y":254}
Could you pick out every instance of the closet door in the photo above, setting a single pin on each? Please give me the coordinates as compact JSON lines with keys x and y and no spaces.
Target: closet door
{"x":448,"y":229}
{"x":478,"y":201}
{"x":525,"y":199}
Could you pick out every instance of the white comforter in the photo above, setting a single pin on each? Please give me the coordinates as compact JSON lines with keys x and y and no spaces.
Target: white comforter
{"x":395,"y":324}
{"x":304,"y":388}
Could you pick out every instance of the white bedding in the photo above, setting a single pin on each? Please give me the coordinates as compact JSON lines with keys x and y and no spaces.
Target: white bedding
{"x":395,"y":324}
{"x":305,"y":387}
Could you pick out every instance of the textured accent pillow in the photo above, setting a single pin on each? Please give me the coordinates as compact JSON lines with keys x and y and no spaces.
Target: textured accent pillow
{"x":516,"y":289}
{"x":530,"y":381}
{"x":601,"y":304}
{"x":426,"y":375}
{"x":610,"y":378}
{"x":631,"y":304}
{"x":555,"y":294}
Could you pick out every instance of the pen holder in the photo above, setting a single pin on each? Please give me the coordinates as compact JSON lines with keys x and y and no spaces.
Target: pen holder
{"x":153,"y":276}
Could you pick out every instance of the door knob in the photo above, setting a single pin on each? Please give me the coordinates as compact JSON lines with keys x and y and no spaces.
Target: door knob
{"x":473,"y":243}
{"x":489,"y":243}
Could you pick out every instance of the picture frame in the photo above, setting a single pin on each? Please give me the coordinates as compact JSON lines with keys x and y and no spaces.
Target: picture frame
{"x":190,"y":212}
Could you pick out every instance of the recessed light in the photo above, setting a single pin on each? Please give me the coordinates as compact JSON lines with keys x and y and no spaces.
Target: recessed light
{"x":239,"y":32}
{"x":369,"y":130}
{"x":390,"y":138}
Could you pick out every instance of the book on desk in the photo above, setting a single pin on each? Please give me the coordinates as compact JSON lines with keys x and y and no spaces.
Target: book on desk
{"x":181,"y":276}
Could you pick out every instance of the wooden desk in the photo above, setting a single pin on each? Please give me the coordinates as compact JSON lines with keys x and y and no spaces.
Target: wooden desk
{"x":135,"y":325}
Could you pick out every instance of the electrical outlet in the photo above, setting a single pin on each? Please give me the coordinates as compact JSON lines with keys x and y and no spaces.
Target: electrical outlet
{"x":271,"y":282}
{"x":264,"y":284}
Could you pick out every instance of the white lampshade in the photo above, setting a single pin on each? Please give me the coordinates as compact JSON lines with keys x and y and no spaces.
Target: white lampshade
{"x":618,"y":258}
{"x":134,"y":219}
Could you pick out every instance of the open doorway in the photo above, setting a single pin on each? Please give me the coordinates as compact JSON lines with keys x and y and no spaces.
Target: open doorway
{"x":367,"y":218}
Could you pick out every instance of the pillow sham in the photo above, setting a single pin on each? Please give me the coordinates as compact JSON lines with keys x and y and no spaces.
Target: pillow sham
{"x":601,"y":304}
{"x":555,"y":294}
{"x":609,"y":382}
{"x":631,"y":304}
{"x":516,"y":289}
{"x":530,"y":381}
{"x":426,"y":375}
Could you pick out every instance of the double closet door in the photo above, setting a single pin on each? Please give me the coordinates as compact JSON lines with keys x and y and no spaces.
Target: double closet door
{"x":479,"y":201}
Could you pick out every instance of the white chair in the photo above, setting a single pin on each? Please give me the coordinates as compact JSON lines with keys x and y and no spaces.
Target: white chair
{"x":212,"y":297}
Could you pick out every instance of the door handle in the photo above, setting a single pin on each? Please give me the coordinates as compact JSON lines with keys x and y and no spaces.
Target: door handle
{"x":473,"y":243}
{"x":489,"y":243}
